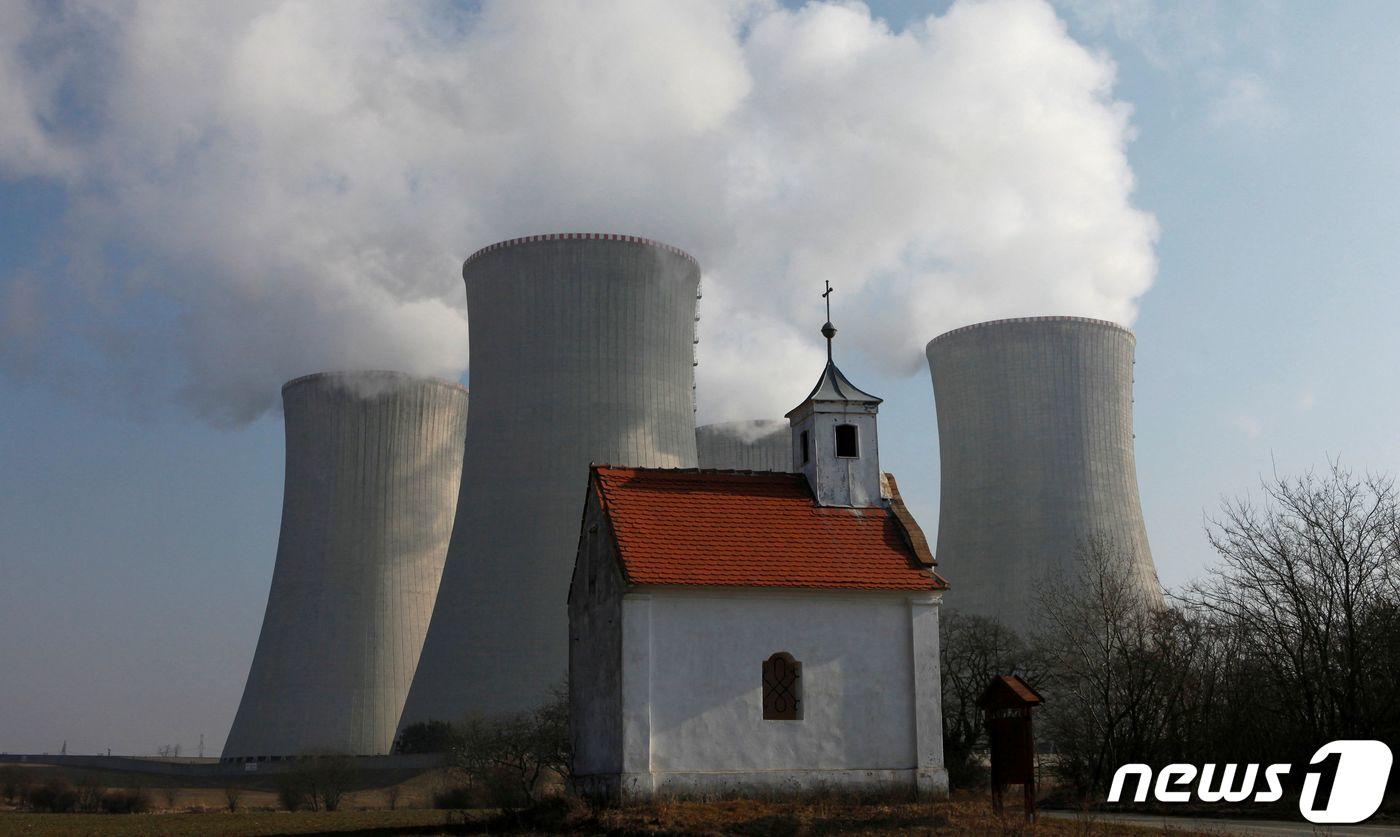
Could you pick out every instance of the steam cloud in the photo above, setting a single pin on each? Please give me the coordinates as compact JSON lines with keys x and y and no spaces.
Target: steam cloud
{"x":255,"y":191}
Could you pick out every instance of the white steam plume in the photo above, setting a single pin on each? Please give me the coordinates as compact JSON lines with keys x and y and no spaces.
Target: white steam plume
{"x":260,"y":190}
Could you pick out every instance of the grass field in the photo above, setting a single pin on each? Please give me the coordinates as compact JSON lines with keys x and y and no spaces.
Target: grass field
{"x":203,"y":811}
{"x":968,"y":815}
{"x":222,"y":823}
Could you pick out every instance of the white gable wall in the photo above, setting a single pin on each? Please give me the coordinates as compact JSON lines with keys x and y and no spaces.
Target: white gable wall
{"x":707,"y":695}
{"x":692,"y":700}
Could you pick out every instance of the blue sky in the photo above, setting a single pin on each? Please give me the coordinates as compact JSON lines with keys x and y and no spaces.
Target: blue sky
{"x":138,"y":520}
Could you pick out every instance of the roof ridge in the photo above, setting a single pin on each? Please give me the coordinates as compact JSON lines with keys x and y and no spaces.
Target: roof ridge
{"x":693,"y":471}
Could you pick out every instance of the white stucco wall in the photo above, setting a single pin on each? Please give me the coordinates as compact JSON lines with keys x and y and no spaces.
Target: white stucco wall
{"x":706,"y":682}
{"x":692,"y":699}
{"x":595,"y":649}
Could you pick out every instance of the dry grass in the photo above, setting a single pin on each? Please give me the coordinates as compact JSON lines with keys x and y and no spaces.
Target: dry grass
{"x":203,"y":811}
{"x":962,"y":815}
{"x":965,"y":815}
{"x":257,"y":794}
{"x":211,"y":824}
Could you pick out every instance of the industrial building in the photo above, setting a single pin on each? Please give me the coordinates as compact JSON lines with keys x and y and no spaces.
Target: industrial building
{"x":374,"y":464}
{"x":1035,"y":436}
{"x":409,"y":526}
{"x":582,"y":351}
{"x":754,"y":445}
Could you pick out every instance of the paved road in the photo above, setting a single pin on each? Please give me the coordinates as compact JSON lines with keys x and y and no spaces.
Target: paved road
{"x":1210,"y":825}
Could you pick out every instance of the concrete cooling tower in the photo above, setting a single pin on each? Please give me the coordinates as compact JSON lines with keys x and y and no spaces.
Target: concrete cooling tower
{"x":1035,"y":433}
{"x":374,"y":463}
{"x":582,"y":350}
{"x":756,"y":445}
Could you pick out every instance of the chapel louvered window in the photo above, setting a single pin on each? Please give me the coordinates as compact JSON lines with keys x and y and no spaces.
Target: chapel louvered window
{"x":782,"y":688}
{"x":847,"y":441}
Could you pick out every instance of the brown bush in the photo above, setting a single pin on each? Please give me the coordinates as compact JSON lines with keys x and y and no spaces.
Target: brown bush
{"x":293,"y":792}
{"x":126,"y":801}
{"x":56,"y":796}
{"x":89,"y":790}
{"x":455,"y":797}
{"x":14,"y":781}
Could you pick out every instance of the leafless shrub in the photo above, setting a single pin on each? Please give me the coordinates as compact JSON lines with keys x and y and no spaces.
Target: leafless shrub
{"x":125,"y":801}
{"x":317,"y":781}
{"x":508,"y":758}
{"x":13,"y":782}
{"x":293,"y":792}
{"x":56,"y":796}
{"x":89,"y":794}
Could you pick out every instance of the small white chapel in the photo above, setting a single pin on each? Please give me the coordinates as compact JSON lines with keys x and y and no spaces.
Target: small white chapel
{"x":736,"y":631}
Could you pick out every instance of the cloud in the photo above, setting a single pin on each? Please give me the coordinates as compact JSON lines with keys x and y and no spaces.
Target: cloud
{"x":28,"y":90}
{"x":1250,"y":426}
{"x":261,"y":190}
{"x":1245,"y":100}
{"x":1225,"y":51}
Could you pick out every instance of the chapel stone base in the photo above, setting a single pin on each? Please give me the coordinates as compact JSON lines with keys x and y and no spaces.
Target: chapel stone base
{"x":632,"y":787}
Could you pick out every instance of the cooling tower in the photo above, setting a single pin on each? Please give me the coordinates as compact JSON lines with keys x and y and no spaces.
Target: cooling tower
{"x":1035,"y":434}
{"x":374,"y":463}
{"x":582,"y":350}
{"x":756,"y":445}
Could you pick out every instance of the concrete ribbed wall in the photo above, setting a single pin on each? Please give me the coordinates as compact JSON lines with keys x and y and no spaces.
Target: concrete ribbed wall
{"x":1035,"y":434}
{"x":754,"y":445}
{"x":374,"y":463}
{"x":582,"y":350}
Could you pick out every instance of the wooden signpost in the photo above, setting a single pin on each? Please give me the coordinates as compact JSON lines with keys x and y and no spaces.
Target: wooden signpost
{"x":1007,"y":704}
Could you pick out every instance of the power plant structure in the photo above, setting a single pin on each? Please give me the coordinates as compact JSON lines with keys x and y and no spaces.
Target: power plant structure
{"x":425,"y":554}
{"x":753,"y":445}
{"x":582,"y":351}
{"x":373,"y":468}
{"x":1035,"y":436}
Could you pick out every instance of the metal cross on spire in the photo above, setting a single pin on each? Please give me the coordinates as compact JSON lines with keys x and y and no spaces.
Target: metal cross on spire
{"x":828,"y":330}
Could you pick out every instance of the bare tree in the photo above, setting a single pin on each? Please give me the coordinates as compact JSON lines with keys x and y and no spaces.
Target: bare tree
{"x":1308,"y":580}
{"x":233,"y":795}
{"x":510,"y":755}
{"x":1116,"y":665}
{"x":972,"y":650}
{"x":554,"y":746}
{"x":318,"y":780}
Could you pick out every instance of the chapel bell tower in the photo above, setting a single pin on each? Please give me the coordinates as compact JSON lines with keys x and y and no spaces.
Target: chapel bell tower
{"x":834,"y":440}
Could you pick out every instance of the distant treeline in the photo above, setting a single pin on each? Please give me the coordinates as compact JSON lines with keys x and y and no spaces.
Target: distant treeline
{"x":1290,"y":641}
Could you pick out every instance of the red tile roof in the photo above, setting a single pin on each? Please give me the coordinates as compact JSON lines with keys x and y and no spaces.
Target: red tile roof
{"x":1008,"y":691}
{"x":739,"y":528}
